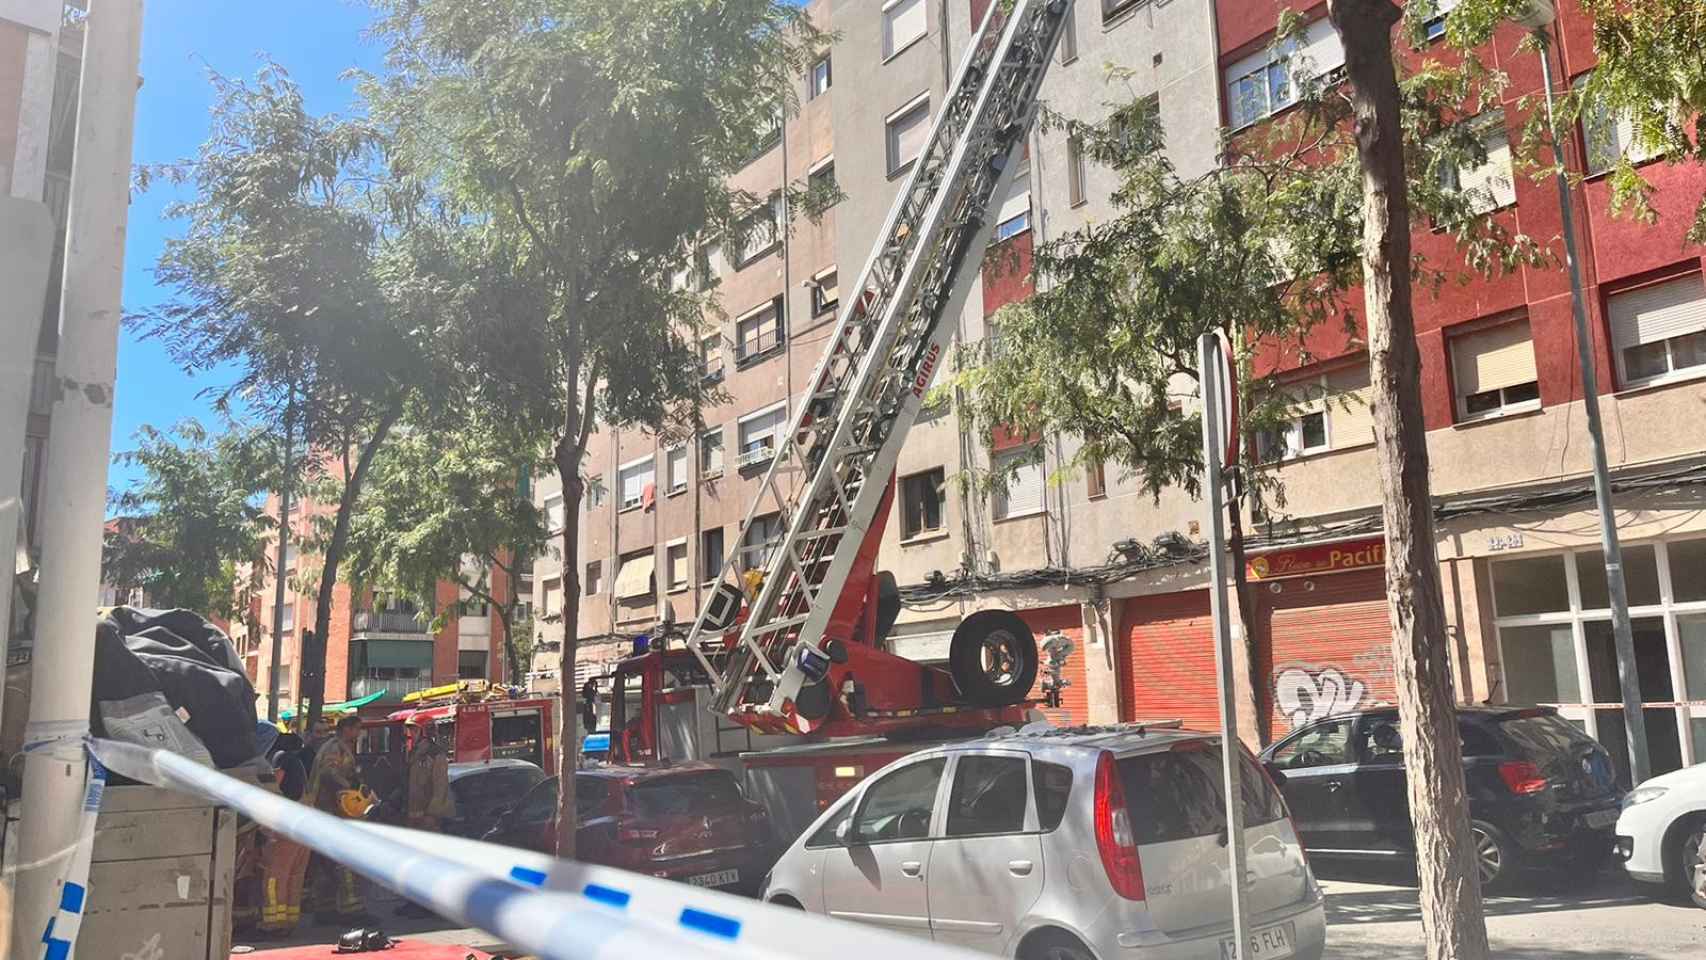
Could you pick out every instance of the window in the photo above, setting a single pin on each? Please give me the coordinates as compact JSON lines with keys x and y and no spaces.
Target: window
{"x":290,"y":554}
{"x":711,"y":453}
{"x":761,"y":232}
{"x":711,"y":552}
{"x":904,"y":23}
{"x":769,"y":134}
{"x":288,"y":624}
{"x":1322,"y":745}
{"x":1069,"y":38}
{"x":633,"y":479}
{"x":675,"y":466}
{"x":921,"y":497}
{"x":1494,"y":372}
{"x":818,"y":85}
{"x":1303,"y":434}
{"x":1113,"y":8}
{"x":1096,"y":480}
{"x":1378,"y":739}
{"x":595,"y":493}
{"x":711,"y":357}
{"x":1053,"y":785}
{"x":988,"y":796}
{"x":593,"y":581}
{"x":898,"y":806}
{"x":826,"y":292}
{"x":1023,"y":494}
{"x":758,"y":434}
{"x":554,"y":512}
{"x":1260,"y":85}
{"x":472,"y":606}
{"x":1435,"y":27}
{"x":1610,"y":137}
{"x":907,"y":128}
{"x":821,"y":175}
{"x":636,"y":576}
{"x":1076,"y":172}
{"x":1013,"y":219}
{"x":554,"y":598}
{"x":761,"y":537}
{"x":707,"y":265}
{"x":826,"y":834}
{"x":759,"y":332}
{"x":1491,"y":185}
{"x":1659,"y":331}
{"x":675,"y":564}
{"x":471,"y":665}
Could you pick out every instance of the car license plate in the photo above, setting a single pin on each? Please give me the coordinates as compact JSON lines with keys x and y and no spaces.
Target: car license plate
{"x":1268,"y":943}
{"x":718,"y":879}
{"x":1600,"y":819}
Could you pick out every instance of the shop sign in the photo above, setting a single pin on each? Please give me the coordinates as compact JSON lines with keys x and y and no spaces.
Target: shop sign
{"x":1319,"y":558}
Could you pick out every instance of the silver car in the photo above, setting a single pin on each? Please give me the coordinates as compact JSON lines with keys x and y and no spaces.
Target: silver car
{"x":1059,"y":845}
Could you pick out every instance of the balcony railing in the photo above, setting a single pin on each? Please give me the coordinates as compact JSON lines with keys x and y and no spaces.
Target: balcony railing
{"x":388,"y":621}
{"x":393,"y":689}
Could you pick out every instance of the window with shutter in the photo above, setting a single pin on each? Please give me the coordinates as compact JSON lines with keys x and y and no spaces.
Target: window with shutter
{"x":1494,"y":372}
{"x":1076,"y":172}
{"x":826,"y":291}
{"x":633,"y":479}
{"x":907,"y":129}
{"x":904,"y":23}
{"x":758,"y":435}
{"x":761,"y":537}
{"x":1490,"y":185}
{"x":1659,"y":331}
{"x":675,"y":556}
{"x":1350,"y":406}
{"x":711,"y":453}
{"x":1023,"y":495}
{"x":758,"y":333}
{"x":554,"y":512}
{"x":1261,"y":84}
{"x":675,"y":463}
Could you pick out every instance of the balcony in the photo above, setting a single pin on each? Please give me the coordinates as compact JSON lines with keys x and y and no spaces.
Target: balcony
{"x":388,"y":621}
{"x":393,"y":689}
{"x":756,"y":455}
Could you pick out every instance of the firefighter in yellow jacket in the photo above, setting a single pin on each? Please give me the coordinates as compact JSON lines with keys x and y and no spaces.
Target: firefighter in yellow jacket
{"x":428,"y":801}
{"x":332,"y":784}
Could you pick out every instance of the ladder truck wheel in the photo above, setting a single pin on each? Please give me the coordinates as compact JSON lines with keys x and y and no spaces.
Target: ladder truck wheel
{"x":993,"y":658}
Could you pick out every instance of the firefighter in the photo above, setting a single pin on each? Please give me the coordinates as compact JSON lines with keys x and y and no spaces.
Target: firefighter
{"x":284,"y":862}
{"x":427,"y":792}
{"x":332,"y":781}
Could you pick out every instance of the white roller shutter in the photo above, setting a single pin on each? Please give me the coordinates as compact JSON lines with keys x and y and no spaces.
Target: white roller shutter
{"x":903,"y":22}
{"x":1493,"y":359}
{"x":1321,"y":47}
{"x":1016,"y":205}
{"x":1659,"y":312}
{"x":1024,"y":492}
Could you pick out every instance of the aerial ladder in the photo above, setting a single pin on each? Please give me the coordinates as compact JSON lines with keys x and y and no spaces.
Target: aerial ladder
{"x":799,"y":649}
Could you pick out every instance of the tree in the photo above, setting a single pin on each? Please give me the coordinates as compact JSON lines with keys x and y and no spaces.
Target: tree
{"x":1260,"y":249}
{"x":188,"y":526}
{"x":437,"y":497}
{"x":288,"y":273}
{"x":589,"y":145}
{"x":1453,"y":923}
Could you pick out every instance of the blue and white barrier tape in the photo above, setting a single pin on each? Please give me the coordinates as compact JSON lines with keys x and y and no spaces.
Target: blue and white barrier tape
{"x":554,"y":909}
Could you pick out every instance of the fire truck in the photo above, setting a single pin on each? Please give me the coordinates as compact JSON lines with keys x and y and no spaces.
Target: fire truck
{"x":477,"y":720}
{"x":786,"y":665}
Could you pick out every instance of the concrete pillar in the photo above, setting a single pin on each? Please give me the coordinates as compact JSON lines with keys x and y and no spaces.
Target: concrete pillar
{"x":1101,"y":675}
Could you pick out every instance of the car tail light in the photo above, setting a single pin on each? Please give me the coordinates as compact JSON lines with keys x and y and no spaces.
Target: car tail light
{"x":1522,"y":777}
{"x":1115,"y":840}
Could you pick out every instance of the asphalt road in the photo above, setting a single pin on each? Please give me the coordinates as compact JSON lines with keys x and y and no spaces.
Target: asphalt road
{"x":1374,"y":916}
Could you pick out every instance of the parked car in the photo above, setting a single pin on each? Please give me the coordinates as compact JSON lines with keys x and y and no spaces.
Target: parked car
{"x":1540,"y":790}
{"x":688,"y":822}
{"x":1661,"y":835}
{"x":479,"y":792}
{"x":1069,"y":844}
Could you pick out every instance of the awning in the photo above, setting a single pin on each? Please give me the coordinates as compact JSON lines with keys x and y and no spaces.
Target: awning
{"x":635,"y":578}
{"x":289,"y":713}
{"x":396,"y":653}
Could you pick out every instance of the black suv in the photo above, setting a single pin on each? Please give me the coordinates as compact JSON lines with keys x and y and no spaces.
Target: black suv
{"x":1540,"y":790}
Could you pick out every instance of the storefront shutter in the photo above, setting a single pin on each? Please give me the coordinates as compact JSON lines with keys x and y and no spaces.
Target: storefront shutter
{"x":1166,"y":664}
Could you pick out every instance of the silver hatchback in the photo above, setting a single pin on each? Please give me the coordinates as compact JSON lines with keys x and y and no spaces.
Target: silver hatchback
{"x":1071,"y":844}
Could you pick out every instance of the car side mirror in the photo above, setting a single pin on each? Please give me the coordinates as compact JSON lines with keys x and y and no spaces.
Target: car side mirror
{"x":1274,"y":772}
{"x":844,"y":832}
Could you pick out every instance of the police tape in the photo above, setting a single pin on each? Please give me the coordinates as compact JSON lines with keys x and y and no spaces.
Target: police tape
{"x":536,"y":903}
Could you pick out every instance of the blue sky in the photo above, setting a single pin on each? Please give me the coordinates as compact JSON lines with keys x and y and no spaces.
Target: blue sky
{"x":316,"y":40}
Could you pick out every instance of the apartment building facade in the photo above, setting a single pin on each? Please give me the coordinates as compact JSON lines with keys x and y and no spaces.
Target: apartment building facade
{"x":375,"y":644}
{"x":1518,"y":538}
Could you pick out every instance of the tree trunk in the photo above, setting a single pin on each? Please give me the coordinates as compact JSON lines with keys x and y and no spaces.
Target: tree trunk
{"x":568,"y":459}
{"x":1256,"y":702}
{"x":314,"y":654}
{"x":1453,"y":924}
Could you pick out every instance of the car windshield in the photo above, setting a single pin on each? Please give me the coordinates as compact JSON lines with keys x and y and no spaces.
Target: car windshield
{"x":713,"y":791}
{"x":1543,"y":734}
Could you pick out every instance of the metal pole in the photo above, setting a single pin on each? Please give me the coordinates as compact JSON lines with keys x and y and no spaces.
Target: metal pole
{"x":1209,"y":363}
{"x":73,"y":499}
{"x":1622,"y":633}
{"x":278,"y":563}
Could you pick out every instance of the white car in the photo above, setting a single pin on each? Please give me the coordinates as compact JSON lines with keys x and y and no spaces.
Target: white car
{"x":1661,"y":834}
{"x":1081,"y":844}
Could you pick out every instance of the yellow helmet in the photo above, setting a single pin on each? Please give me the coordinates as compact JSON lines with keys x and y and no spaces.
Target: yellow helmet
{"x":354,"y":803}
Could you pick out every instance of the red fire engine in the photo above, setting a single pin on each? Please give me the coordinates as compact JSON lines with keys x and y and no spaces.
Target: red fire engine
{"x":477,"y":721}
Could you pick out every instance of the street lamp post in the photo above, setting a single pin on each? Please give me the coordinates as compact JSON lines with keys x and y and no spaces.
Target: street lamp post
{"x":1538,"y":17}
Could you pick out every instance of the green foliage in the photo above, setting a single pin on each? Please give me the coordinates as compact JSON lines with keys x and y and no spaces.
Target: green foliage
{"x":185,"y":530}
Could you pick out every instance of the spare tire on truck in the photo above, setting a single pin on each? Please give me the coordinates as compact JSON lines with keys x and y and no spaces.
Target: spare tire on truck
{"x":993,"y":658}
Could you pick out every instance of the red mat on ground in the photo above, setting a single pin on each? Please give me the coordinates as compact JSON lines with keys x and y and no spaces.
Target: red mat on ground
{"x":400,"y":950}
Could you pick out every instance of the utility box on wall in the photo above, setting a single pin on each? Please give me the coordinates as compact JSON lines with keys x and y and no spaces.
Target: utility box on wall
{"x":161,"y":877}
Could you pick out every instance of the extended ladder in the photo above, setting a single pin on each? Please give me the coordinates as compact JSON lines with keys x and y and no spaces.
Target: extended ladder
{"x":846,"y":433}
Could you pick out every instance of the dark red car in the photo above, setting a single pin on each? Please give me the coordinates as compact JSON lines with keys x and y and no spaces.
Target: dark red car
{"x":688,"y":822}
